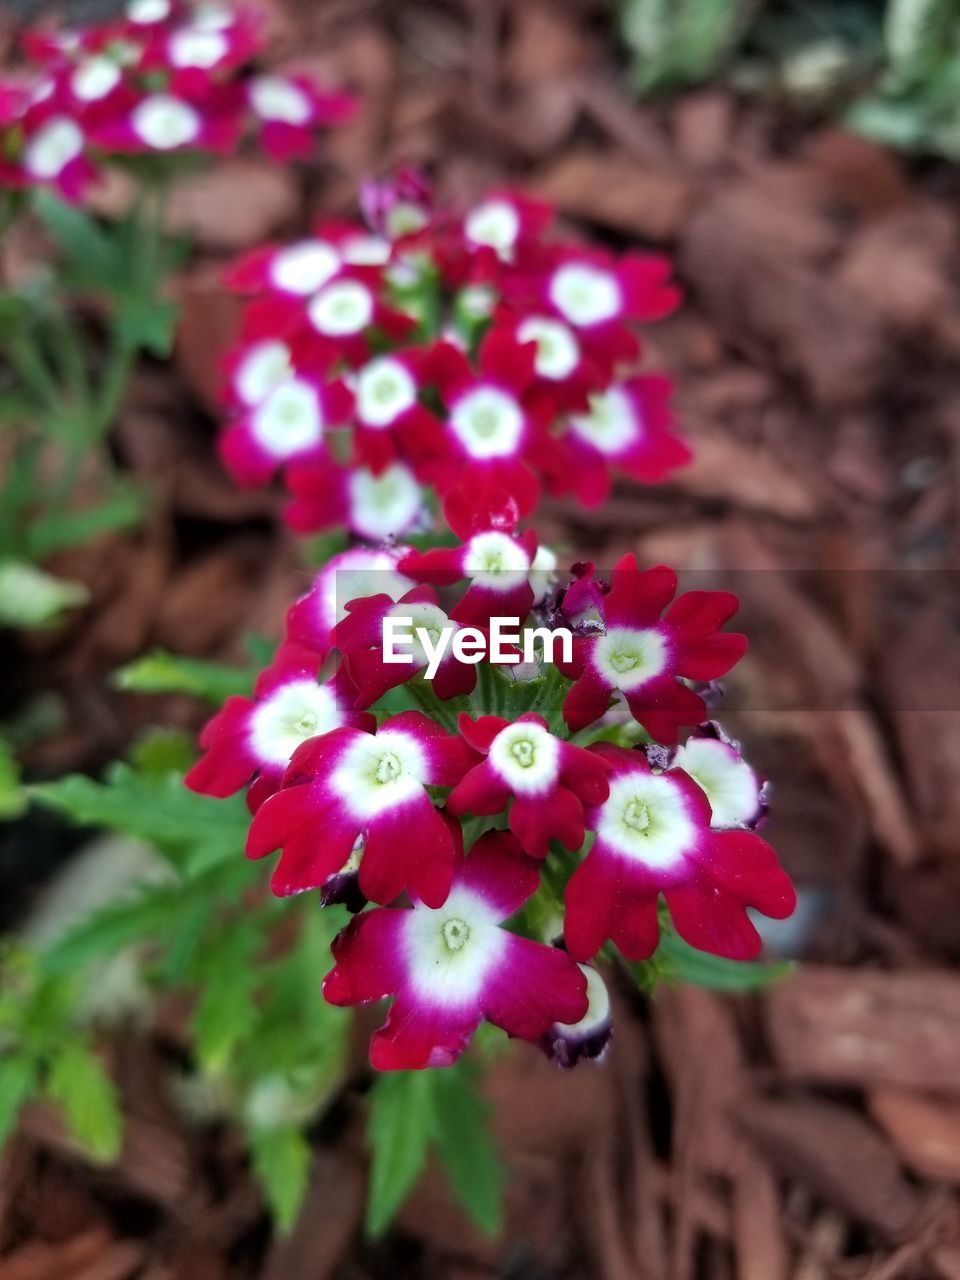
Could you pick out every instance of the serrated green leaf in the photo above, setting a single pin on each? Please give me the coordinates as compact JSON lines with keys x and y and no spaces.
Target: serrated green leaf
{"x":465,"y":1145}
{"x":399,"y":1130}
{"x":163,"y":672}
{"x":281,"y":1161}
{"x":78,"y":1083}
{"x":18,"y":1080}
{"x":148,"y":323}
{"x":143,"y":919}
{"x":92,"y":258}
{"x":226,"y":976}
{"x":195,"y":831}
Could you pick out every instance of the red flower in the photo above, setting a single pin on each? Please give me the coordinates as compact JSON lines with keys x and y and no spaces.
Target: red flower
{"x":451,"y":965}
{"x":654,"y":836}
{"x":645,"y":657}
{"x":349,"y":785}
{"x":550,"y":780}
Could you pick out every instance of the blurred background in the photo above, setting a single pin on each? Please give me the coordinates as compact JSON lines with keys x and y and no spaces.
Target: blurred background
{"x":798,"y":160}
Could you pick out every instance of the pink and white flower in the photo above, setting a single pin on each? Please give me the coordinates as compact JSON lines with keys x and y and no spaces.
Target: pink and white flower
{"x":373,"y":506}
{"x":349,"y":784}
{"x":452,"y":965}
{"x":628,"y":425}
{"x":634,"y":653}
{"x":391,"y":422}
{"x":549,"y":780}
{"x":167,"y":122}
{"x":288,"y":424}
{"x":654,"y":836}
{"x":359,"y":637}
{"x":503,"y":222}
{"x":351,"y":575}
{"x":54,"y":153}
{"x":497,"y":560}
{"x":250,"y":741}
{"x":566,"y":1043}
{"x":737,"y":794}
{"x":291,"y":109}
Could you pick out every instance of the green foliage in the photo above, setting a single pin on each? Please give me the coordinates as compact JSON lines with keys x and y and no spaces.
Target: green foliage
{"x":78,"y":1083}
{"x":163,"y":672}
{"x":678,"y":42}
{"x":676,"y":961}
{"x":13,"y":798}
{"x":281,"y":1160}
{"x":412,"y":1109}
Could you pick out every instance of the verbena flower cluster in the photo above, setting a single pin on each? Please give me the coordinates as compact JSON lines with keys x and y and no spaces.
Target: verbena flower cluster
{"x":164,"y":78}
{"x":381,"y":363}
{"x":498,"y":831}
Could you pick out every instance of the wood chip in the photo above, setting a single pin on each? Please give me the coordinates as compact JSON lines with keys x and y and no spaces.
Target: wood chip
{"x":924,"y":1130}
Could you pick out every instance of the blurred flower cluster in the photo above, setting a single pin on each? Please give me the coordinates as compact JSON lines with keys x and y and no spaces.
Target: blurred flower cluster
{"x":380,"y":363}
{"x":164,"y":78}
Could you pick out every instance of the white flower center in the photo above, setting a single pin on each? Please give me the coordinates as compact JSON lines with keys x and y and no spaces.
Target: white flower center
{"x":558,"y":351}
{"x":265,"y":366}
{"x":494,"y":560}
{"x":488,"y":422}
{"x":289,"y":420}
{"x":53,"y":147}
{"x":366,"y":251}
{"x":147,"y":11}
{"x":385,"y":504}
{"x":526,"y":756}
{"x":385,"y":389}
{"x":451,"y":952}
{"x":274,"y":98}
{"x":194,"y":48}
{"x":342,"y":308}
{"x":94,"y":78}
{"x":645,"y":819}
{"x":476,"y":301}
{"x":494,"y":223}
{"x":164,"y":122}
{"x":627,"y":658}
{"x":303,"y":268}
{"x":376,"y":774}
{"x":585,"y":295}
{"x":293,"y":713}
{"x":428,"y":617}
{"x":611,"y":426}
{"x":729,"y":783}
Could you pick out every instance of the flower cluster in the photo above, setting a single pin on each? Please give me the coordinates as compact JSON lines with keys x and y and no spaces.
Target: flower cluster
{"x":379,"y":363}
{"x":163,"y":78}
{"x":500,"y":832}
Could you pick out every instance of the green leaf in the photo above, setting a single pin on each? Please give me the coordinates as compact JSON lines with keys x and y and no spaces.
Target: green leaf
{"x":917,"y":35}
{"x":18,"y":1080}
{"x":92,"y":258}
{"x":225,"y":1012}
{"x":465,"y":1145}
{"x":281,"y":1161}
{"x":196,"y":832}
{"x":163,"y":672}
{"x":148,"y":323}
{"x":13,"y":798}
{"x":399,"y":1130}
{"x":79,"y":1084}
{"x":31,"y":598}
{"x":677,"y":961}
{"x":106,"y":932}
{"x":57,"y":529}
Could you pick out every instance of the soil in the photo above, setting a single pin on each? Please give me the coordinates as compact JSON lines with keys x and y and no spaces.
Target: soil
{"x":808,"y":1133}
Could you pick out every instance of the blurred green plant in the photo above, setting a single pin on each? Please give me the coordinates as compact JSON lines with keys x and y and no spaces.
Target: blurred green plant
{"x":889,"y":70}
{"x":69,"y":338}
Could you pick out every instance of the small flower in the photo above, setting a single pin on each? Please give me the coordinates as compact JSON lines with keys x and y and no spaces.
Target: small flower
{"x":737,"y":795}
{"x":373,"y":506}
{"x":634,"y":652}
{"x":349,"y":784}
{"x":391,"y":422}
{"x":596,"y":294}
{"x":628,"y":425}
{"x":503,"y":222}
{"x":54,"y":153}
{"x":297,"y":270}
{"x":653,"y":837}
{"x":450,"y":966}
{"x":397,"y":206}
{"x":361,"y":571}
{"x":496,"y":559}
{"x":289,"y":423}
{"x":292,"y":108}
{"x":359,"y":637}
{"x":252,"y":740}
{"x":566,"y":1043}
{"x":549,"y":780}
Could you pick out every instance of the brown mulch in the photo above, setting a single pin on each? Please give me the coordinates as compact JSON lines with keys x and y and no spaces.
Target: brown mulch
{"x":813,"y":1132}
